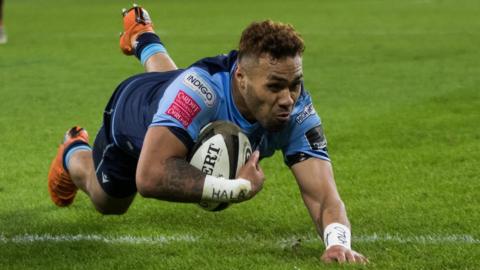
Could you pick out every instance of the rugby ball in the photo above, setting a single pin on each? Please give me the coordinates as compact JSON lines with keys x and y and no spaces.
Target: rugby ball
{"x":220,"y":150}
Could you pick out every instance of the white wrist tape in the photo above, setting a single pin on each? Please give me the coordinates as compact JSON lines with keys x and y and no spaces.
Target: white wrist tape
{"x":337,"y":234}
{"x":219,"y":189}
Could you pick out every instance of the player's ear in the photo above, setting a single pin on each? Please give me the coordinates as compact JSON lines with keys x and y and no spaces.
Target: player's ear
{"x":240,"y":76}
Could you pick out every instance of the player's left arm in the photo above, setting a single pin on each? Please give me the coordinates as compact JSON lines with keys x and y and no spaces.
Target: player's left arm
{"x":317,"y":186}
{"x":306,"y":154}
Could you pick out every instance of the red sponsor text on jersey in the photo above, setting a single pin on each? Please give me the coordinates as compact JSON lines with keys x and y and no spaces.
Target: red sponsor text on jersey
{"x":183,"y":108}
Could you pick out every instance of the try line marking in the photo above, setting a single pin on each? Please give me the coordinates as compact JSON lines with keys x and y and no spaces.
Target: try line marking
{"x":186,"y":238}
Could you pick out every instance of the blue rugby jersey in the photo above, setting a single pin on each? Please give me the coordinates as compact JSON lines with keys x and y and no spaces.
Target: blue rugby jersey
{"x":187,"y":100}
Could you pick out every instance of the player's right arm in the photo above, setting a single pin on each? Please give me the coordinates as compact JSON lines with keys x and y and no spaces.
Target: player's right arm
{"x":162,"y":171}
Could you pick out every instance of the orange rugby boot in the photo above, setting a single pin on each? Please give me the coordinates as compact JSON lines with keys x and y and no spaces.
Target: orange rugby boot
{"x":60,"y":186}
{"x":135,"y":21}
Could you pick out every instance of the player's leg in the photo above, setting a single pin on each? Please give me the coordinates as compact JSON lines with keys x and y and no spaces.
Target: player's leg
{"x":159,"y":62}
{"x":60,"y":186}
{"x":83,"y":174}
{"x":73,"y":168}
{"x":114,"y":187}
{"x":139,"y":39}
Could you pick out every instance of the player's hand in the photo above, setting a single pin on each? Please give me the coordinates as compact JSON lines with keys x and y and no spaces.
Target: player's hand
{"x":253,"y":173}
{"x":342,"y":254}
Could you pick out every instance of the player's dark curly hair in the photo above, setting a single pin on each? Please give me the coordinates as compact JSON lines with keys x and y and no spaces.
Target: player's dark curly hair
{"x":277,"y":39}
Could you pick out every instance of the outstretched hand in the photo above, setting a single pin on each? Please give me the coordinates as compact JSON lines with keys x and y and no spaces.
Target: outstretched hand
{"x":342,"y":254}
{"x":253,"y":173}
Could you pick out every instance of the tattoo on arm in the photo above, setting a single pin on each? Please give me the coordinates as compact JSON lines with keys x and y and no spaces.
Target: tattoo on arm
{"x":182,"y":181}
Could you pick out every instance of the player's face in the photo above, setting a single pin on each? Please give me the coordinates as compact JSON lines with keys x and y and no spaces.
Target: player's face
{"x":271,"y":89}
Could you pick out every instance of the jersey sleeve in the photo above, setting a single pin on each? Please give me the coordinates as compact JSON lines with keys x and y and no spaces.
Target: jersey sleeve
{"x":189,"y":103}
{"x":306,"y":138}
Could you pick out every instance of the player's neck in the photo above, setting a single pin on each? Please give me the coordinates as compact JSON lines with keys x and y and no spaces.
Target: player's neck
{"x":240,"y":103}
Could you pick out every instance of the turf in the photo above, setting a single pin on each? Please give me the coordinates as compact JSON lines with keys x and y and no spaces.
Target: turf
{"x":396,"y":84}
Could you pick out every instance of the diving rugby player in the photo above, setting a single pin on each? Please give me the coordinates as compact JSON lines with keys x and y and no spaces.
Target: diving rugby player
{"x":154,"y":118}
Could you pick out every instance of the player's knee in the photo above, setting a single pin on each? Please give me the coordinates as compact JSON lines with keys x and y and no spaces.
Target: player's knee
{"x":108,"y":206}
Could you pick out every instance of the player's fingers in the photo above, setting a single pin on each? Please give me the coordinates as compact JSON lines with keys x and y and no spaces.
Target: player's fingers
{"x":341,"y":258}
{"x":326,"y":259}
{"x":350,"y":257}
{"x":256,"y":164}
{"x":360,"y":258}
{"x":260,"y":171}
{"x":254,"y":157}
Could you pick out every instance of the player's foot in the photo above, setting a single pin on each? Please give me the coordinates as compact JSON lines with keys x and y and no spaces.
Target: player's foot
{"x":135,"y":21}
{"x":3,"y":36}
{"x":60,"y":186}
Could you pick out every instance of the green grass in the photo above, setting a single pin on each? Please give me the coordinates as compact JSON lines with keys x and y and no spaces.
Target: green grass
{"x":397,"y":86}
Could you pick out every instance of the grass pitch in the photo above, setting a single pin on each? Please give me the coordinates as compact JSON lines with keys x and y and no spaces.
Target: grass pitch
{"x":395,"y":82}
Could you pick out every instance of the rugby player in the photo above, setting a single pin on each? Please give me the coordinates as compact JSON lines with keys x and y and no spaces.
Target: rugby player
{"x":154,"y":118}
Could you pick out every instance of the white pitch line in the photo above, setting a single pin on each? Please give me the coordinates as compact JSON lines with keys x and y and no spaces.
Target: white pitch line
{"x":123,"y":239}
{"x":248,"y":238}
{"x":420,"y":239}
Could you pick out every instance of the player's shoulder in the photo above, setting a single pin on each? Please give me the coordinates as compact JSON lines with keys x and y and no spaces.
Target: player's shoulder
{"x":209,"y":77}
{"x":216,"y":64}
{"x":202,"y":84}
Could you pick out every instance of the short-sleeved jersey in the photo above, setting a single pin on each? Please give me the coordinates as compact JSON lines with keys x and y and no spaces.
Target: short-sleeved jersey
{"x":187,"y":100}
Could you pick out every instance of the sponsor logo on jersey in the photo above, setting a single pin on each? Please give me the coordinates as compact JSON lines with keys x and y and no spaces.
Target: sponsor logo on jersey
{"x":203,"y":89}
{"x":307,"y":112}
{"x":316,"y":138}
{"x":184,"y":108}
